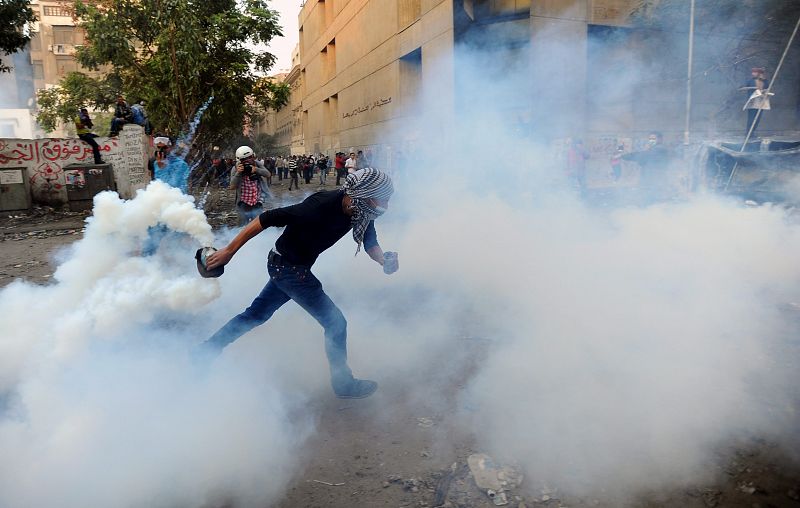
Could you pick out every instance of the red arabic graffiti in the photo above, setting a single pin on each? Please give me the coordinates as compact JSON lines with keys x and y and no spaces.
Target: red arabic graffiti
{"x":62,"y":150}
{"x":24,"y":152}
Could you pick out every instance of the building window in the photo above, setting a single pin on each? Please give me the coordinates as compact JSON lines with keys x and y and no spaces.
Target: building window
{"x":63,"y":35}
{"x":329,"y":61}
{"x":410,"y":80}
{"x":38,"y":69}
{"x":52,"y":10}
{"x":331,"y":114}
{"x":36,"y":41}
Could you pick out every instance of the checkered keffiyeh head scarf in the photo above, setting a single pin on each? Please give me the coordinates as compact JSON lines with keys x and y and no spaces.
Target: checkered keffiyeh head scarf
{"x":360,"y":186}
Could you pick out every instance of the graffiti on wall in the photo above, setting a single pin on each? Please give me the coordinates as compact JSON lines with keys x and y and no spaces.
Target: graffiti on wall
{"x":45,"y":161}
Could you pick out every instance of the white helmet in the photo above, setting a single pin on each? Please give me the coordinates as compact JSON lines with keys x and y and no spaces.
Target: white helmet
{"x":244,"y":152}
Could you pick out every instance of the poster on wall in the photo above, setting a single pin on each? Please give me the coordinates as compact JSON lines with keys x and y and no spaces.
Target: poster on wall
{"x":10,"y":176}
{"x":75,"y":178}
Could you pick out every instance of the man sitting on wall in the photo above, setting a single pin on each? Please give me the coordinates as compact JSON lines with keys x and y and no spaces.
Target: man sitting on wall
{"x":84,"y":125}
{"x":122,"y":115}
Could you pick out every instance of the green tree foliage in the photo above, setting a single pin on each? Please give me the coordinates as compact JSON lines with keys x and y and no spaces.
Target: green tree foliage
{"x":15,"y":16}
{"x":76,"y":90}
{"x":175,"y":54}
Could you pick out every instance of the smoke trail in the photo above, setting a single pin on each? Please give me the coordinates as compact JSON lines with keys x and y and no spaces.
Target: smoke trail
{"x":184,"y":142}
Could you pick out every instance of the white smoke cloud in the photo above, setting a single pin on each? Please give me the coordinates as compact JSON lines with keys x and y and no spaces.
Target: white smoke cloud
{"x":623,"y":346}
{"x":626,"y":346}
{"x":101,"y":405}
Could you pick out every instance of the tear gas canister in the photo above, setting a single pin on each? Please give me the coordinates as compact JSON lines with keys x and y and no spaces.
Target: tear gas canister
{"x":201,"y":255}
{"x":390,"y":262}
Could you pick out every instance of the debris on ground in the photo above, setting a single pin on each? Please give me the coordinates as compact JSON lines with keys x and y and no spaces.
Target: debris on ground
{"x":425,"y":422}
{"x":489,"y":475}
{"x":328,"y":483}
{"x":443,"y":485}
{"x":749,"y":488}
{"x":498,"y":498}
{"x":411,"y":485}
{"x":492,"y":478}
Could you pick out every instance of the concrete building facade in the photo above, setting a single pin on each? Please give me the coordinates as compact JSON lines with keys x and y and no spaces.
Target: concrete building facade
{"x":368,"y":66}
{"x":47,"y":59}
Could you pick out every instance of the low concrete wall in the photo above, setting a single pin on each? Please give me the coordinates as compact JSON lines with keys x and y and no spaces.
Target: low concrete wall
{"x":44,"y":161}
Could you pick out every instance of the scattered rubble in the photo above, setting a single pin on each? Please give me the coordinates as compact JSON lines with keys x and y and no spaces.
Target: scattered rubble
{"x":494,"y":479}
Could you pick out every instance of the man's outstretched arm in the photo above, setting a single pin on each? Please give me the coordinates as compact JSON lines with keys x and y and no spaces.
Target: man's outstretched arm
{"x":376,"y":253}
{"x":224,"y":255}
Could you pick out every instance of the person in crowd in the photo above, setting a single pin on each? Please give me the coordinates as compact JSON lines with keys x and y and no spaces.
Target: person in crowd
{"x":576,"y":163}
{"x":653,"y":161}
{"x":294,"y":179}
{"x":269,"y":163}
{"x":361,"y":162}
{"x":311,"y":227}
{"x":616,"y":162}
{"x":280,"y":163}
{"x":249,"y":181}
{"x":226,"y":180}
{"x":122,"y":116}
{"x":308,"y":169}
{"x":322,"y":167}
{"x":84,"y":126}
{"x":758,"y":100}
{"x":172,"y":170}
{"x":140,"y":117}
{"x":217,"y":168}
{"x":351,"y":163}
{"x":341,"y":172}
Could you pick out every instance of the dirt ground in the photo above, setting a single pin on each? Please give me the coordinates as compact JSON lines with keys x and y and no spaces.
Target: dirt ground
{"x":362,"y":456}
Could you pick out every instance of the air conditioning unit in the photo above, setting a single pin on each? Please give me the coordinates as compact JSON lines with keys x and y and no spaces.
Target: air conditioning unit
{"x":60,"y":49}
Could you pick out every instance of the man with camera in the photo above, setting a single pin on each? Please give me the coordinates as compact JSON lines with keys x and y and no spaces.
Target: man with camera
{"x":172,"y":170}
{"x":167,"y":167}
{"x":311,"y":227}
{"x":248,"y":181}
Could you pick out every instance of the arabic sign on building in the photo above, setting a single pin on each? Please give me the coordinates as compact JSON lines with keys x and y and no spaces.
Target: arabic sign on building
{"x":362,"y":109}
{"x":44,"y":162}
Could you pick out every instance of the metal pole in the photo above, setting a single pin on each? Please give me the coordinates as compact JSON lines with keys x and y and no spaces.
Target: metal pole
{"x":769,"y":89}
{"x":689,"y":75}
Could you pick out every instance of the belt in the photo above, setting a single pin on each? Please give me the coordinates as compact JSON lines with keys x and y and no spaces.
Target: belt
{"x":276,"y":259}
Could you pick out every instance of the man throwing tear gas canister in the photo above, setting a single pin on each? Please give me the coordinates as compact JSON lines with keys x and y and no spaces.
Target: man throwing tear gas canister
{"x":313,"y":226}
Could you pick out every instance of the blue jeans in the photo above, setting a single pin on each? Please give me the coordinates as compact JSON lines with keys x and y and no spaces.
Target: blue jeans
{"x":248,"y":213}
{"x":293,"y":282}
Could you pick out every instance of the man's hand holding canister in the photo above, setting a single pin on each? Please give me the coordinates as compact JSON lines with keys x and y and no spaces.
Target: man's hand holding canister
{"x":219,"y":258}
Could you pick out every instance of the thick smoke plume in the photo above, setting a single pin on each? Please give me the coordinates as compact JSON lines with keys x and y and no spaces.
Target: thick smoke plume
{"x":100,"y":403}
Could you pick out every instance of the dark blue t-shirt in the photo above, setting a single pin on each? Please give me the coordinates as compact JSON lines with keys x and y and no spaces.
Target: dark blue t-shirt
{"x":312,"y":226}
